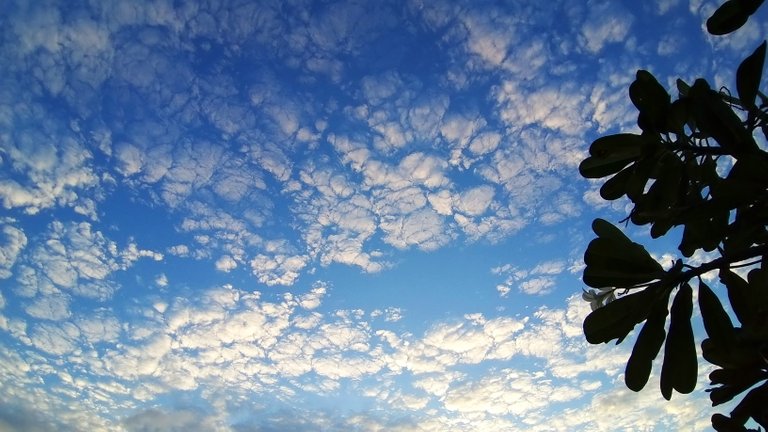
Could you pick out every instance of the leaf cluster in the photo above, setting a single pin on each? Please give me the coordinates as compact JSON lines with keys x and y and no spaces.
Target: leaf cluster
{"x":696,"y":165}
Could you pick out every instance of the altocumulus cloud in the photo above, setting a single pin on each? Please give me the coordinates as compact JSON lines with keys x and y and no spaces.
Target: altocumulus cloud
{"x":294,"y":216}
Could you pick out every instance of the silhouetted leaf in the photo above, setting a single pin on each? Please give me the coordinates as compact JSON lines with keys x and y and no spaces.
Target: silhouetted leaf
{"x":616,"y":186}
{"x":613,"y":260}
{"x":682,"y":87}
{"x":647,"y":346}
{"x":732,"y":382}
{"x":651,"y":99}
{"x":616,"y":319}
{"x":679,"y":370}
{"x":740,"y":295}
{"x":748,"y":76}
{"x":717,"y":323}
{"x":610,"y":154}
{"x":755,"y":405}
{"x":716,"y":119}
{"x":731,"y":15}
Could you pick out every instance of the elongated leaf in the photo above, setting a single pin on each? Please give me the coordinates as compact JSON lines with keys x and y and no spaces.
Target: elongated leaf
{"x":615,"y":187}
{"x":613,"y":260}
{"x":624,"y":249}
{"x":679,"y":370}
{"x":610,"y":154}
{"x":754,"y":404}
{"x":717,"y":323}
{"x":748,"y":76}
{"x":733,"y":382}
{"x":616,"y":319}
{"x":741,"y":297}
{"x":651,"y":99}
{"x":731,"y":15}
{"x":716,"y":119}
{"x":607,"y":230}
{"x":647,"y":346}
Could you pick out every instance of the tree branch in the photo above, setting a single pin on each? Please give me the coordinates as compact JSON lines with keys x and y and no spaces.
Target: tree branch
{"x":720,"y":263}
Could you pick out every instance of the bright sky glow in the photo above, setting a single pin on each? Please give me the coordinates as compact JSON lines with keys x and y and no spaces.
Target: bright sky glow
{"x":318,"y":215}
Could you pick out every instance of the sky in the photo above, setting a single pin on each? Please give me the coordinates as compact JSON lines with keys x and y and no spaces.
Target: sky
{"x":321,"y":215}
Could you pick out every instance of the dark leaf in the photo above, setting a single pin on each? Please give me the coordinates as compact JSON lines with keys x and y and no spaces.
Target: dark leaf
{"x":616,"y":319}
{"x":613,"y":260}
{"x":651,"y":99}
{"x":610,"y":154}
{"x":679,"y":370}
{"x":723,"y":423}
{"x":731,"y":15}
{"x":682,"y":87}
{"x":647,"y":346}
{"x":717,"y":323}
{"x":748,"y":76}
{"x":741,"y":295}
{"x":733,"y":382}
{"x":716,"y":119}
{"x":754,"y":404}
{"x":616,"y":186}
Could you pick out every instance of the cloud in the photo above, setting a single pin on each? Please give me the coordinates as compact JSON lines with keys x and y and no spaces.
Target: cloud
{"x":423,"y":228}
{"x":154,"y":420}
{"x":539,"y":280}
{"x":559,"y":108}
{"x":50,"y":172}
{"x":278,"y":269}
{"x":55,"y":339}
{"x":226,"y":263}
{"x":50,"y":307}
{"x":605,"y":25}
{"x":13,"y":242}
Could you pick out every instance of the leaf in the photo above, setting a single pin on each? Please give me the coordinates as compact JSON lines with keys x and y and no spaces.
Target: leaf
{"x":717,"y":323}
{"x":754,"y":404}
{"x":616,"y":319}
{"x":679,"y":370}
{"x":731,"y":15}
{"x":716,"y":119}
{"x":615,"y":187}
{"x":613,"y":260}
{"x":741,"y":296}
{"x":682,"y":87}
{"x":610,"y":154}
{"x":647,"y":346}
{"x":748,"y":76}
{"x":651,"y":99}
{"x":733,"y":382}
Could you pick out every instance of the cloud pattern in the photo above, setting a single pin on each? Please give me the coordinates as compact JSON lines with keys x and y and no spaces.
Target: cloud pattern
{"x":181,"y":183}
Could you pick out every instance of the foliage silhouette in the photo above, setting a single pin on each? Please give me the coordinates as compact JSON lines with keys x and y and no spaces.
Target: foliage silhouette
{"x":696,"y":165}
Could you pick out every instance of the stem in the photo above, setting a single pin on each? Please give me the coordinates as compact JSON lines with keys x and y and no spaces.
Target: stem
{"x":721,"y":263}
{"x":703,"y":150}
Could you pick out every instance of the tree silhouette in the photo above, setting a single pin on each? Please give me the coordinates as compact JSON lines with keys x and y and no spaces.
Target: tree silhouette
{"x":696,"y":165}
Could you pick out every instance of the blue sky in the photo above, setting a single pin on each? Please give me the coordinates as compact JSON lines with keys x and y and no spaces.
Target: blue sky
{"x":320,"y":215}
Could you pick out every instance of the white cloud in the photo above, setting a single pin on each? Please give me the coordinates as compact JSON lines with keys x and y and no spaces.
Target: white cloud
{"x":226,"y":263}
{"x":488,"y":40}
{"x":604,"y":26}
{"x":475,"y":201}
{"x":312,"y":299}
{"x":12,"y":243}
{"x":54,"y":171}
{"x":101,"y":326}
{"x":424,"y":169}
{"x":161,"y":280}
{"x":53,"y":307}
{"x":423,"y":228}
{"x":278,"y":269}
{"x":56,"y":339}
{"x":557,"y":108}
{"x":537,"y":286}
